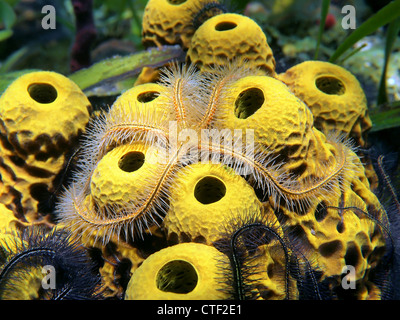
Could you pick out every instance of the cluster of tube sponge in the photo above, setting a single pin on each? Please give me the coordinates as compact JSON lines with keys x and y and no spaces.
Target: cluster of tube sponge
{"x":304,"y":179}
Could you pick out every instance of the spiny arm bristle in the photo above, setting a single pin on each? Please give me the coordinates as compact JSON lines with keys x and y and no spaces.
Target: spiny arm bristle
{"x":388,"y":184}
{"x":76,"y":212}
{"x":134,"y":122}
{"x":35,"y":248}
{"x":217,"y":85}
{"x":271,"y":175}
{"x":184,"y":92}
{"x":242,"y":237}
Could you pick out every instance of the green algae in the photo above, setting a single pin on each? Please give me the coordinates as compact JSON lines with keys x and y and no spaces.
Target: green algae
{"x":116,"y":69}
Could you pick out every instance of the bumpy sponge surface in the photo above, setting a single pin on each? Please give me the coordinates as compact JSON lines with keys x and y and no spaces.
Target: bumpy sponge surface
{"x":169,"y":22}
{"x":42,"y":116}
{"x":203,"y":197}
{"x":185,"y":271}
{"x":231,"y":37}
{"x":334,"y":96}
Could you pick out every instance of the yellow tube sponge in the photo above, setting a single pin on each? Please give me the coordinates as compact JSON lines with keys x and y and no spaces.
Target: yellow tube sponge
{"x":281,"y":123}
{"x":119,"y":257}
{"x":265,"y":105}
{"x":169,"y":22}
{"x":42,"y":116}
{"x":334,"y":96}
{"x":203,"y":197}
{"x":270,"y":272}
{"x":41,"y":113}
{"x":8,"y":223}
{"x":26,"y":287}
{"x":231,"y":37}
{"x":118,"y":196}
{"x":186,"y":271}
{"x":340,"y":229}
{"x":121,"y":176}
{"x":9,"y":242}
{"x":146,"y":100}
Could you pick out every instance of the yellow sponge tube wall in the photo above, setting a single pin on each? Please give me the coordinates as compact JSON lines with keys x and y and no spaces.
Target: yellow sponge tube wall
{"x":42,"y":116}
{"x":186,"y":271}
